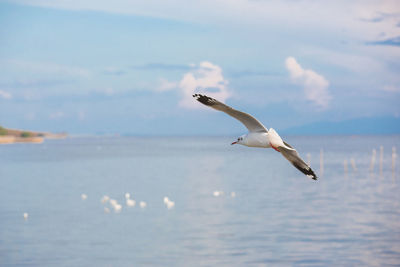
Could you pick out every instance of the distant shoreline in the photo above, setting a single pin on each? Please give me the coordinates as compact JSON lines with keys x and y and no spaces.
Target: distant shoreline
{"x":12,"y":136}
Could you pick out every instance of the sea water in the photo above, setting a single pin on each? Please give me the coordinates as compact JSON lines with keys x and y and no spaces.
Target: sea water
{"x":266,"y":212}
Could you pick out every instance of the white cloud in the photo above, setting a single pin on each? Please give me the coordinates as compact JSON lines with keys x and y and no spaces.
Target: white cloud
{"x":340,"y":14}
{"x":5,"y":95}
{"x":315,"y":85}
{"x":207,"y":79}
{"x":380,"y":17}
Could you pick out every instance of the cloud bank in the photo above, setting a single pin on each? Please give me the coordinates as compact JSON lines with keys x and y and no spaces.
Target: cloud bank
{"x":315,"y":85}
{"x":207,"y":78}
{"x":355,"y":16}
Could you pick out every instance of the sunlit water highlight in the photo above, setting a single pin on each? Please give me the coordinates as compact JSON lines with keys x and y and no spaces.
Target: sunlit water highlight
{"x":277,"y":215}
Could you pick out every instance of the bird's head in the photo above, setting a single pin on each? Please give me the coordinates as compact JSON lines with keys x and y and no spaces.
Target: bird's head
{"x":240,"y":140}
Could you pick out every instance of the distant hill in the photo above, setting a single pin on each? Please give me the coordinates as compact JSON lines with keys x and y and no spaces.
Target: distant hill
{"x":10,"y":136}
{"x":382,"y":125}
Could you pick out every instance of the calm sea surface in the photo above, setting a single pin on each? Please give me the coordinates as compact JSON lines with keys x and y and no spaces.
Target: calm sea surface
{"x":276,"y":216}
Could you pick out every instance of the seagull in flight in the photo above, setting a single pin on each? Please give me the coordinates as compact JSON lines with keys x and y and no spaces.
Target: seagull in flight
{"x":258,"y":135}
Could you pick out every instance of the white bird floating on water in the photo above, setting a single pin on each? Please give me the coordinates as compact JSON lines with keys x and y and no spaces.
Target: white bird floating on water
{"x":166,"y":199}
{"x":104,"y":199}
{"x":26,"y":215}
{"x":221,"y":193}
{"x":258,"y":135}
{"x":84,"y":196}
{"x":218,"y":193}
{"x":113,"y":202}
{"x":130,"y":202}
{"x":170,"y":204}
{"x":117,"y":208}
{"x":142,"y":204}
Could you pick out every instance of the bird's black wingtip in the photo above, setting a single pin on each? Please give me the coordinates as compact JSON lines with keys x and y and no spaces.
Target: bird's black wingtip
{"x":307,"y":171}
{"x":208,"y":101}
{"x":310,"y":173}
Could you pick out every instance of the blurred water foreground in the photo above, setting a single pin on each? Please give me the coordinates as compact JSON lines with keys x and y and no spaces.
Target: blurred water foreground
{"x":198,"y":201}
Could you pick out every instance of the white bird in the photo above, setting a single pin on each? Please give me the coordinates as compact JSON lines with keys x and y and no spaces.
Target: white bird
{"x":113,"y":202}
{"x":217,"y":193}
{"x":26,"y":215}
{"x":104,"y":199}
{"x":130,"y":202}
{"x":166,"y":200}
{"x":84,"y":196}
{"x":258,"y":135}
{"x":117,"y":208}
{"x":170,"y":204}
{"x":142,"y":204}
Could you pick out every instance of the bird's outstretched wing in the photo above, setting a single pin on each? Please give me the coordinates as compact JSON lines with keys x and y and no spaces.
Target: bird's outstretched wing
{"x":251,"y":123}
{"x":291,"y":155}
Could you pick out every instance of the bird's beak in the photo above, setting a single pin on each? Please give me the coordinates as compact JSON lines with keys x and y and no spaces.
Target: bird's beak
{"x":234,"y":143}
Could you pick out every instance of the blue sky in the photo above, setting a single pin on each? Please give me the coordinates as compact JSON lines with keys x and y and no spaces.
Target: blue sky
{"x":131,"y":66}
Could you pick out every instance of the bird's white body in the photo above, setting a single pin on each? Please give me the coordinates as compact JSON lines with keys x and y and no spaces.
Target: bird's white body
{"x":274,"y":139}
{"x":263,"y":139}
{"x":255,"y":140}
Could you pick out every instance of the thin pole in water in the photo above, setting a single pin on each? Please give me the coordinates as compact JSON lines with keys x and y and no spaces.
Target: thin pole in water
{"x":353,"y":164}
{"x":381,"y":161}
{"x":394,"y":157}
{"x":321,"y":162}
{"x":371,"y":166}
